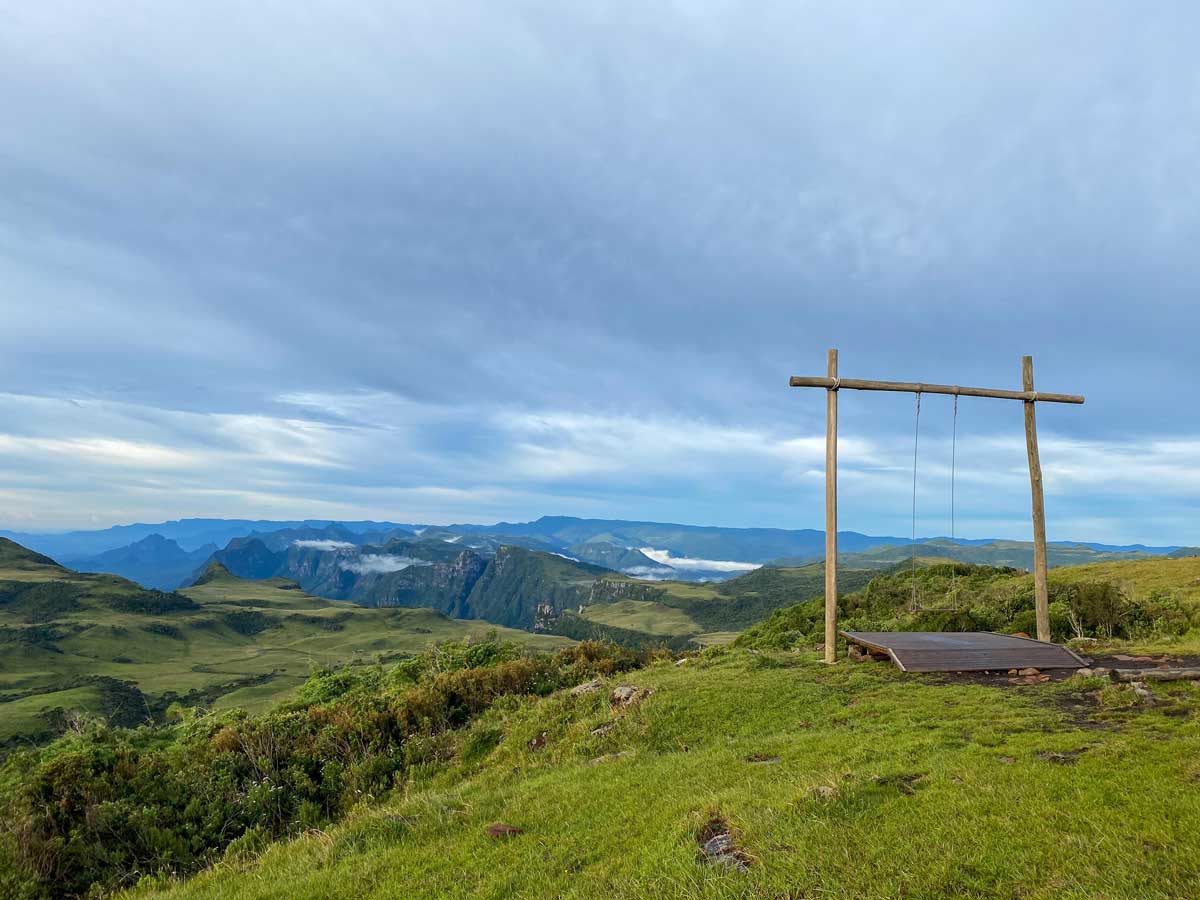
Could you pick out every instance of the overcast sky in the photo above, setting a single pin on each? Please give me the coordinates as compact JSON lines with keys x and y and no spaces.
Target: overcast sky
{"x":462,"y":262}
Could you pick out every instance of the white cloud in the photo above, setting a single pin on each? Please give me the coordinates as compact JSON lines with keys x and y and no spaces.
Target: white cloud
{"x":648,"y":573}
{"x":376,"y":564}
{"x":86,"y":461}
{"x":694,"y":564}
{"x":323,"y":545}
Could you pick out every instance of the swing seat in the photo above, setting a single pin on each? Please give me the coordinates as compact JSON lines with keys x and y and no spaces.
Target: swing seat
{"x":963,"y":651}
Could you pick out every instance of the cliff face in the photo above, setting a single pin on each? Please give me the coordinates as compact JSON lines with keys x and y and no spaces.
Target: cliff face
{"x":443,"y":585}
{"x":516,"y":587}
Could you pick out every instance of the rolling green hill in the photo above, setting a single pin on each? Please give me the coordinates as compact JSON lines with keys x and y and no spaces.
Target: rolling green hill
{"x":101,"y":644}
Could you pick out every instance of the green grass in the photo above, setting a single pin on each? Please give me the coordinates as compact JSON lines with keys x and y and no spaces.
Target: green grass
{"x":642,"y":615}
{"x":935,"y":788}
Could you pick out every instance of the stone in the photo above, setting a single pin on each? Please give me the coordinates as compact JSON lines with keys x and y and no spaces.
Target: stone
{"x":588,"y":687}
{"x":1083,"y":673}
{"x":722,"y":850}
{"x":824,"y":792}
{"x":1029,"y":671}
{"x":1145,"y":698}
{"x":624,"y":695}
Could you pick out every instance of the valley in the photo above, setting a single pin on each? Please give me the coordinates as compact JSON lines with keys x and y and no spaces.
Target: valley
{"x":102,"y":645}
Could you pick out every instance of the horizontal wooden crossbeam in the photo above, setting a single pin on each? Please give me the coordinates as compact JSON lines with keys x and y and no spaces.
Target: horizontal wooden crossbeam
{"x":914,"y":387}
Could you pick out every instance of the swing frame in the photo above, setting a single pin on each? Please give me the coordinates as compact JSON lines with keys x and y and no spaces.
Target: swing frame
{"x":1029,"y":398}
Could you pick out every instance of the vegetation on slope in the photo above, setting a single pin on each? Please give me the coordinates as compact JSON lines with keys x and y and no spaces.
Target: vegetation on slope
{"x":848,"y":782}
{"x":104,"y":807}
{"x":1138,"y":599}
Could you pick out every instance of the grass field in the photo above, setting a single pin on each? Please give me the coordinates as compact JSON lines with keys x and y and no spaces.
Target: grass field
{"x":642,"y":615}
{"x":849,"y":782}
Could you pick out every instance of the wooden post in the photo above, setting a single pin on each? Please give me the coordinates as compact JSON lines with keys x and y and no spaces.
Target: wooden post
{"x":1041,"y":593}
{"x":831,"y":594}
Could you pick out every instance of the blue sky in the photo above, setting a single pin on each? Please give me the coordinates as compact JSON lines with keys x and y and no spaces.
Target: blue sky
{"x":448,"y":262}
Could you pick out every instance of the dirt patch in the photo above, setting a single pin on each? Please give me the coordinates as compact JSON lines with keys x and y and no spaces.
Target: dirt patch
{"x":763,"y":759}
{"x":719,"y":846}
{"x":904,"y":783}
{"x":1063,"y":758}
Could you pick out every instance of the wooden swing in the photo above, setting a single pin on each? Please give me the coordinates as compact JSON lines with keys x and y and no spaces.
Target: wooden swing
{"x":1029,"y":398}
{"x":915,"y":605}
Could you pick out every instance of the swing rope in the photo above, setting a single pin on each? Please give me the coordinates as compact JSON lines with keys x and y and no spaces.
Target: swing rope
{"x":953,"y":469}
{"x":916,"y":439}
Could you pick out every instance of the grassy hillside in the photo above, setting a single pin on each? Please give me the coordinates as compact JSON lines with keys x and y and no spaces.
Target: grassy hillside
{"x":847,"y":782}
{"x":708,"y":613}
{"x":101,"y":644}
{"x":1016,"y":554}
{"x":1146,"y":599}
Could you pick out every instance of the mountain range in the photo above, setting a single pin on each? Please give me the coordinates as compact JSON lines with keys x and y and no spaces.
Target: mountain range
{"x":167,"y":554}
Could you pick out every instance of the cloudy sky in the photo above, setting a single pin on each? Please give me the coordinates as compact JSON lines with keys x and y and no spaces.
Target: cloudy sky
{"x":469,"y":261}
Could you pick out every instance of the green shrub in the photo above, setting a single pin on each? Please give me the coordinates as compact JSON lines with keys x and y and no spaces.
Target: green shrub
{"x":104,"y":807}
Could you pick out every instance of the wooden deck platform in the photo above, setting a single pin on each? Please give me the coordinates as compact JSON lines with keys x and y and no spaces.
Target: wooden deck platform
{"x":963,"y":651}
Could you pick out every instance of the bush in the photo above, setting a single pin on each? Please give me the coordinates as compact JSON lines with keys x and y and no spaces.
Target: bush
{"x":105,"y":807}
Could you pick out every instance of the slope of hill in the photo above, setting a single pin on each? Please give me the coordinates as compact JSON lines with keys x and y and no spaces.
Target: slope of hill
{"x":99,"y":643}
{"x":771,"y":776}
{"x":1136,"y":599}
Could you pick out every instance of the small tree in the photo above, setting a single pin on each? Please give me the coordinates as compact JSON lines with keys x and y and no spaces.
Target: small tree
{"x":1099,"y":607}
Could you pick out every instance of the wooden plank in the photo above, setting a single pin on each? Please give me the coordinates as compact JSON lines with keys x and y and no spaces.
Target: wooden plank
{"x":917,"y":387}
{"x":831,"y":594}
{"x":971,"y":651}
{"x":1041,"y":591}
